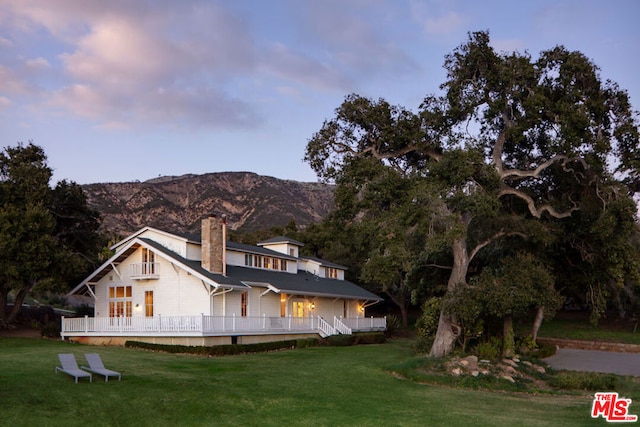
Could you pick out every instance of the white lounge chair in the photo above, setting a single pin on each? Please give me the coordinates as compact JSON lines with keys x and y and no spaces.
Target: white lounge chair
{"x":70,"y":367}
{"x":97,"y":367}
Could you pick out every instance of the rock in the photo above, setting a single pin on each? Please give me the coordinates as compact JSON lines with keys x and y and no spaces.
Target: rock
{"x":464,"y":362}
{"x":508,"y":378}
{"x":526,"y":362}
{"x":510,"y":362}
{"x":456,"y":372}
{"x":539,"y":369}
{"x":475,"y":373}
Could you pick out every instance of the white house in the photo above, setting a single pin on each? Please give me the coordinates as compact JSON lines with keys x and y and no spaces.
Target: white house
{"x":171,"y":288}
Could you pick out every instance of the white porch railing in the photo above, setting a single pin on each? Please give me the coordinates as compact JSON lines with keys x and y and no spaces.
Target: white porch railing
{"x":340,"y":326}
{"x":366,"y":323}
{"x":212,"y":325}
{"x":145,"y":270}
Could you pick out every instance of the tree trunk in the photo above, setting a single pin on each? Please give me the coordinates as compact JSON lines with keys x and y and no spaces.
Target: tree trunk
{"x":404,"y":315}
{"x":508,"y":339}
{"x":3,"y":306}
{"x":17,"y":305}
{"x":537,"y":322}
{"x":448,"y":329}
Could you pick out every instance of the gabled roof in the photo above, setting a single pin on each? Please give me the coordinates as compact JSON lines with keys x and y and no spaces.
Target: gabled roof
{"x":280,"y":239}
{"x":194,"y":267}
{"x":302,"y":283}
{"x":181,"y":236}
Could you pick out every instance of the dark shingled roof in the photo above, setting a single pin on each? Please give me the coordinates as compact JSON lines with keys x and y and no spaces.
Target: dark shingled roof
{"x":303,"y":283}
{"x":280,"y":239}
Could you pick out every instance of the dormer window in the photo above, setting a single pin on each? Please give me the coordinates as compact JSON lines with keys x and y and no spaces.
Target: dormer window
{"x":331,"y":273}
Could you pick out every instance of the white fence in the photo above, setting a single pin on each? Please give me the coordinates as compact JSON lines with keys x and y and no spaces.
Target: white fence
{"x":214,"y":325}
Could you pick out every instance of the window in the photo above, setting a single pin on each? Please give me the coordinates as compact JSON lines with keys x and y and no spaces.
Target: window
{"x":120,"y":303}
{"x":248,"y":260}
{"x":283,"y":265}
{"x":298,"y":309}
{"x":331,"y":273}
{"x":292,"y":252}
{"x":148,"y":303}
{"x":243,"y":303}
{"x":276,"y":264}
{"x":148,"y":262}
{"x":283,"y":305}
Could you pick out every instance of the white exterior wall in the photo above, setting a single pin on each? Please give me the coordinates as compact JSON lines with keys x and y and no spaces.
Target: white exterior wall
{"x":175,"y":293}
{"x":283,"y":248}
{"x":194,"y":252}
{"x":235,"y":258}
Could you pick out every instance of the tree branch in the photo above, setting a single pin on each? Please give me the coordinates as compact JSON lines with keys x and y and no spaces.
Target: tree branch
{"x":537,"y":212}
{"x":496,"y":236}
{"x":564,"y":160}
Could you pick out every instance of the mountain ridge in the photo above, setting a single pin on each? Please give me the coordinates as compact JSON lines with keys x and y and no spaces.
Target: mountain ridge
{"x":178,"y":203}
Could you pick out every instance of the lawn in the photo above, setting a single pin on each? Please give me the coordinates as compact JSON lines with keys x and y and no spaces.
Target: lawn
{"x":577,"y":326}
{"x":322,"y":386}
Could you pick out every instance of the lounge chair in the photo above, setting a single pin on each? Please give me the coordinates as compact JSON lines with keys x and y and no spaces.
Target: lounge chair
{"x":97,"y":367}
{"x":70,"y":367}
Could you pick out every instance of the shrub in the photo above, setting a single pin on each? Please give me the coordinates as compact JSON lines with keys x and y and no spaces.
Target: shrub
{"x":393,"y":324}
{"x":341,"y":340}
{"x":592,"y":381}
{"x":370,"y":338}
{"x":491,"y":349}
{"x":51,"y":330}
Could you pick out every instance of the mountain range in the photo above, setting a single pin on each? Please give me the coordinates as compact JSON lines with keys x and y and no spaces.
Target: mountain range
{"x":178,"y":203}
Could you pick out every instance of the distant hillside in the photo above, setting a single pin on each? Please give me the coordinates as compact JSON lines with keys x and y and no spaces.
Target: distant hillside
{"x":250,"y":202}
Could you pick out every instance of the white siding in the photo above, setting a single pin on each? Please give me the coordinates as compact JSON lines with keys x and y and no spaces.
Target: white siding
{"x":235,"y":258}
{"x":194,"y":252}
{"x":175,"y":293}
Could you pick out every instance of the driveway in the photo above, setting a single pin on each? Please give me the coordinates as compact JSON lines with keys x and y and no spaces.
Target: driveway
{"x":596,"y":361}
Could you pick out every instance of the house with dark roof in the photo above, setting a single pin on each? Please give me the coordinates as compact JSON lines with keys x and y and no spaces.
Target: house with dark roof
{"x":173,"y":288}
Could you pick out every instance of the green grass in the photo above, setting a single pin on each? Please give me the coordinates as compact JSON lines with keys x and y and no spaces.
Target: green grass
{"x":323,"y":386}
{"x":579,"y":328}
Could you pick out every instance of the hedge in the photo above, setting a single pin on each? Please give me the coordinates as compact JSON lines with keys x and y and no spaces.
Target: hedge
{"x":231,"y":349}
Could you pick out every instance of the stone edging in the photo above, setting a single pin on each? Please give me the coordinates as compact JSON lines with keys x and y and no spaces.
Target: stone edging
{"x":591,"y":345}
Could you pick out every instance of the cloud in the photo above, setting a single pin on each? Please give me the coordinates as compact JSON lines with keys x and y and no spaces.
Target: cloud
{"x":436,"y":19}
{"x":37,"y":64}
{"x":4,"y":102}
{"x":132,"y":63}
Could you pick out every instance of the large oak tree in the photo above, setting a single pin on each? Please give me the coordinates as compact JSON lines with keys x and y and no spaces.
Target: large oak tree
{"x":511,"y":140}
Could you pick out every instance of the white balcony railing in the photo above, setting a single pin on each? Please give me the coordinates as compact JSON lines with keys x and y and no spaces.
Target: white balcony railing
{"x":212,"y":325}
{"x":145,"y":270}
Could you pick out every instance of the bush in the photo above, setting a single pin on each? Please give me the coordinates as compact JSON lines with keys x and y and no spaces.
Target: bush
{"x":592,"y":381}
{"x":221,"y":350}
{"x":341,"y":340}
{"x":51,"y":330}
{"x":490,"y":350}
{"x":370,"y":338}
{"x":393,"y":324}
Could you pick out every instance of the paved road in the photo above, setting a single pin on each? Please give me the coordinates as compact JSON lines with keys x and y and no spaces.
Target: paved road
{"x":596,"y":361}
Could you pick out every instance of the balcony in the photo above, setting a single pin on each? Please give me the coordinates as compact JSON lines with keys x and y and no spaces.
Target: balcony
{"x":145,"y":271}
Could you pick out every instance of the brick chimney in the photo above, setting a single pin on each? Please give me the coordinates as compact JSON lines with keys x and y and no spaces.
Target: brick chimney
{"x":214,"y":242}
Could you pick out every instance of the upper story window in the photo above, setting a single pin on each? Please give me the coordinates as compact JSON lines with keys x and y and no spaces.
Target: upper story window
{"x":331,"y":273}
{"x":266,"y":262}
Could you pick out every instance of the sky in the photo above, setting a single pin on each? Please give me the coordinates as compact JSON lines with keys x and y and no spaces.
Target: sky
{"x":128,"y":90}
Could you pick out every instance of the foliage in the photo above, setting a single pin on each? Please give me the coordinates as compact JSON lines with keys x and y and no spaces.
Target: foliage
{"x":591,"y":381}
{"x":47,"y":236}
{"x":490,"y":349}
{"x":512,"y":141}
{"x":223,"y":350}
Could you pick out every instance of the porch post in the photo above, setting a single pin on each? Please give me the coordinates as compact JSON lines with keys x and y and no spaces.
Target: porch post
{"x":86,"y":323}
